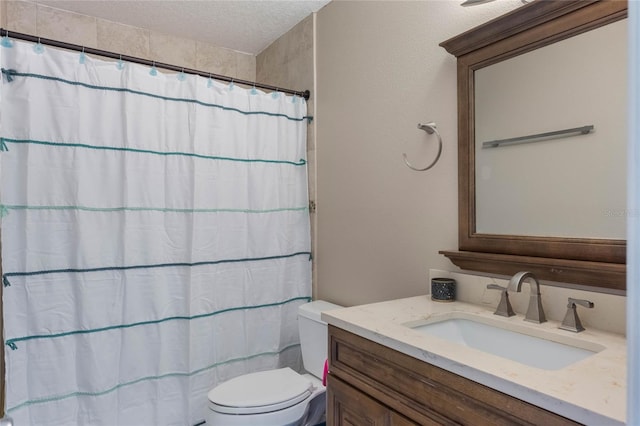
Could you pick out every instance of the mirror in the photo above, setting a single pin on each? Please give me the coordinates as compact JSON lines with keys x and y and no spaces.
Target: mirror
{"x":571,"y":185}
{"x":496,"y":235}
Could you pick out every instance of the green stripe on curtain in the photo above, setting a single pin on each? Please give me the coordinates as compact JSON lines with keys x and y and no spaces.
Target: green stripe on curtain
{"x":7,"y":275}
{"x":300,"y":162}
{"x":10,"y":74}
{"x":12,"y":342}
{"x":147,"y":378}
{"x":154,"y":209}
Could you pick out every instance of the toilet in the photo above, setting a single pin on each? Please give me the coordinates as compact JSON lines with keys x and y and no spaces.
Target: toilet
{"x":279,"y":397}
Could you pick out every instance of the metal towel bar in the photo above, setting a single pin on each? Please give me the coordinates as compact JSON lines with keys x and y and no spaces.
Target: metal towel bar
{"x":538,"y":137}
{"x":430,"y":128}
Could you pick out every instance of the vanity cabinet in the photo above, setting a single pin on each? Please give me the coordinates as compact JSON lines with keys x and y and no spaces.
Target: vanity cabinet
{"x":370,"y":384}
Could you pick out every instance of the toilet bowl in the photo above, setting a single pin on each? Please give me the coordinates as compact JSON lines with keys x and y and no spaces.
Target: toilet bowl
{"x":279,"y":397}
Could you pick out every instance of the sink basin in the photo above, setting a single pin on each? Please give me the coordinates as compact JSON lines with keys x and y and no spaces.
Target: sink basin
{"x":538,"y":352}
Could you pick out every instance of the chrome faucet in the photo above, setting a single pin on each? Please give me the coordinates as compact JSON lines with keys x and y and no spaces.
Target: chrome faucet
{"x":504,"y":308}
{"x":571,"y":320}
{"x":535,"y":313}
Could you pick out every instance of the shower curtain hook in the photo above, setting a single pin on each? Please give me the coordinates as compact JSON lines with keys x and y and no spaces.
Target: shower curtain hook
{"x":120,"y":64}
{"x":254,"y":91}
{"x":83,"y":57}
{"x":38,"y":48}
{"x":6,"y":42}
{"x":182,"y":76}
{"x":209,"y":81}
{"x":231,"y":85}
{"x":153,"y":70}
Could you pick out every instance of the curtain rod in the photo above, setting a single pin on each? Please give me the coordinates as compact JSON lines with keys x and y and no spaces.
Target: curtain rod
{"x":55,"y":43}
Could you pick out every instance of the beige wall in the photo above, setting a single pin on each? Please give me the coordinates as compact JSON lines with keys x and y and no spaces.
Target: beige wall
{"x":380,"y":72}
{"x":48,"y":22}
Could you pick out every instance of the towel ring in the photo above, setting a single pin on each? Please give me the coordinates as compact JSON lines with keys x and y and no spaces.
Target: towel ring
{"x":430,"y":128}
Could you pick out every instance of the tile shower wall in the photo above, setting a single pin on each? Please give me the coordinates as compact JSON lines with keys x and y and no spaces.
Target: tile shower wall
{"x":48,"y":22}
{"x":289,"y":62}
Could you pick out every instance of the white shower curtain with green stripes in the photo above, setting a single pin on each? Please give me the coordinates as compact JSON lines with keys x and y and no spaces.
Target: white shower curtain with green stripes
{"x":155,"y":237}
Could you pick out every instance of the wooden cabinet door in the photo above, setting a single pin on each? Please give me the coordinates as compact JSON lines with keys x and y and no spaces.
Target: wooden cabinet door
{"x":347,"y":406}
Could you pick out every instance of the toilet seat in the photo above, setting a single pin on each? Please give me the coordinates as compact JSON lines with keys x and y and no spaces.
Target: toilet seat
{"x":261,"y":392}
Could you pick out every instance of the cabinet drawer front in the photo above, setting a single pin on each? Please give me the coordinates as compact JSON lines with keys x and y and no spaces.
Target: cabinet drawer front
{"x":423,"y":392}
{"x":348,"y":406}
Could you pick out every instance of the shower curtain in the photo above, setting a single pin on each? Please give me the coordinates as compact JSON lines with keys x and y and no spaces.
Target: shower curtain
{"x":155,"y":237}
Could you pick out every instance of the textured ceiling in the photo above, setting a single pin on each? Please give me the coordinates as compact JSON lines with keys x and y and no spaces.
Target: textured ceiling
{"x":244,"y":25}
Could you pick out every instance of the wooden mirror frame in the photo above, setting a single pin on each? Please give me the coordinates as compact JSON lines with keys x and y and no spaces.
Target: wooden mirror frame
{"x":586,"y":261}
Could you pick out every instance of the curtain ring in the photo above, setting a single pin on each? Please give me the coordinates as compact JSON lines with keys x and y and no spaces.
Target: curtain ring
{"x":430,"y":128}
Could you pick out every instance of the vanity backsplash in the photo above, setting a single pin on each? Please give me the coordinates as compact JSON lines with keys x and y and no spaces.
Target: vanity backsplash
{"x":608,"y":314}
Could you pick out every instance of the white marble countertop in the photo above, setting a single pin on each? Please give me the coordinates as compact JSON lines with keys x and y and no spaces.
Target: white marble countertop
{"x":591,"y":391}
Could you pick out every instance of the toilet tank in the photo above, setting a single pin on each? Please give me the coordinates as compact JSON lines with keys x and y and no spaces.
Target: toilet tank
{"x":313,"y":335}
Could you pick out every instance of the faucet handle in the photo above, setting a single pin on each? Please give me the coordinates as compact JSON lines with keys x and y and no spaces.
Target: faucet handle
{"x":504,"y":308}
{"x":571,"y":320}
{"x":582,"y":302}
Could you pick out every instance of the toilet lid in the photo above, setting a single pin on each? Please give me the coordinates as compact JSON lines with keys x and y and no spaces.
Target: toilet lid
{"x":261,"y":392}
